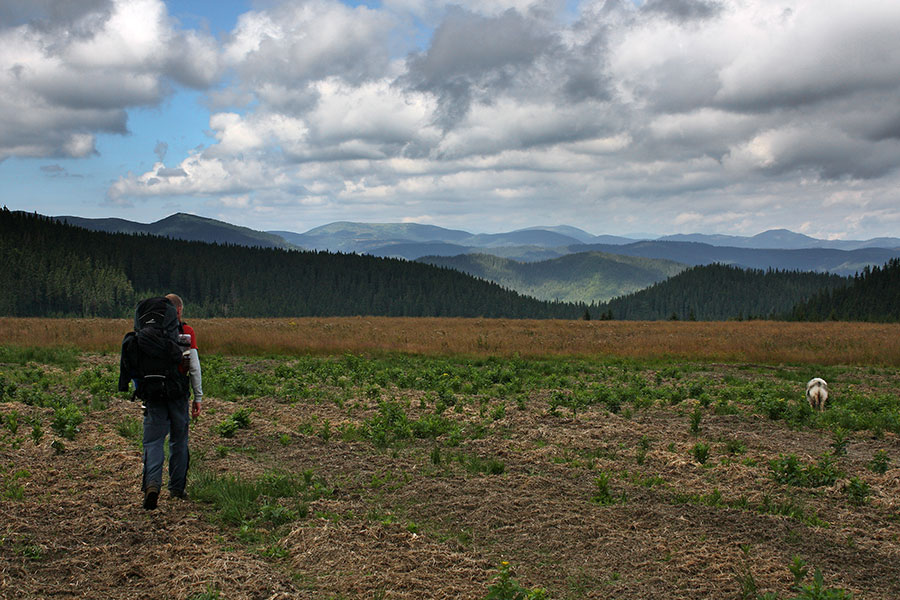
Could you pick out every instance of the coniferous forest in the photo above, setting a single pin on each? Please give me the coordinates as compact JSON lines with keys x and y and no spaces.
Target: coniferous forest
{"x":872,"y":295}
{"x":719,"y":292}
{"x":54,"y":269}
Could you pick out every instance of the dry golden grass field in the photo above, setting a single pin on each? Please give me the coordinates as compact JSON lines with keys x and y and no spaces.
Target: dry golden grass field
{"x":363,"y":458}
{"x":747,"y":341}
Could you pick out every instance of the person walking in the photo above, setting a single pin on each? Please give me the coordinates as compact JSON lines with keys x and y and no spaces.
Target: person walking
{"x":172,"y":417}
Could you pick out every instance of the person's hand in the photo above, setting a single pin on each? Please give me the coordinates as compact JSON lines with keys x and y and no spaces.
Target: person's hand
{"x":196,"y":407}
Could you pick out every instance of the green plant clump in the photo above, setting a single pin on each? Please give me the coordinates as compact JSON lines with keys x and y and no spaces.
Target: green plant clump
{"x":879,"y":463}
{"x":700,"y":452}
{"x":239,"y":419}
{"x":507,"y":588}
{"x":603,"y":494}
{"x":857,"y":491}
{"x":791,"y":471}
{"x":66,"y":420}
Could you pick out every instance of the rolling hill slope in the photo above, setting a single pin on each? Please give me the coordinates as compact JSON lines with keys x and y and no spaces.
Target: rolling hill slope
{"x":841,"y":262}
{"x":183,"y":226}
{"x":721,"y":292}
{"x":584,"y":277}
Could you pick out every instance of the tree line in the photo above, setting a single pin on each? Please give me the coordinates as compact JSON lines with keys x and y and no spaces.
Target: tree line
{"x":55,"y":269}
{"x":719,"y":292}
{"x":871,"y":295}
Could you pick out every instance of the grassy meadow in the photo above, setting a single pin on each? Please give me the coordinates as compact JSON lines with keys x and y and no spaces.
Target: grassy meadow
{"x":453,"y":458}
{"x":770,"y":342}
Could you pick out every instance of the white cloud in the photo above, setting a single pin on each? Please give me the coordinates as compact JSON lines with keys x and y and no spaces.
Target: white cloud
{"x":65,"y":80}
{"x":303,"y":42}
{"x":735,"y":115}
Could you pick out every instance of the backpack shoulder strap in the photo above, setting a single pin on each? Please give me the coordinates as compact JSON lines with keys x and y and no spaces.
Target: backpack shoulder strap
{"x":126,"y":361}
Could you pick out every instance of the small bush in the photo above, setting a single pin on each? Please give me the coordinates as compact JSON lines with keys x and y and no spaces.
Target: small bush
{"x":695,"y":419}
{"x":839,"y":442}
{"x":475,"y":464}
{"x":242,"y":417}
{"x":227,"y":428}
{"x":791,"y":471}
{"x":603,"y":494}
{"x":239,"y":419}
{"x":66,"y":420}
{"x":12,"y":422}
{"x":857,"y":491}
{"x":700,"y":452}
{"x":389,"y":426}
{"x":507,"y":588}
{"x":735,"y":446}
{"x":880,"y":463}
{"x":37,"y":432}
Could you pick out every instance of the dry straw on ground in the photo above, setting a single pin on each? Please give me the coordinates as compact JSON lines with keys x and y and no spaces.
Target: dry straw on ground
{"x":747,"y":341}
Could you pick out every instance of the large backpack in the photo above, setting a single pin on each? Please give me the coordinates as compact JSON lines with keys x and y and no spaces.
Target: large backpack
{"x":151,"y":353}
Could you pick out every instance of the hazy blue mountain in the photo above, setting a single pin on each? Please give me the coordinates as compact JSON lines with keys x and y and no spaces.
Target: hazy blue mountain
{"x":735,"y":241}
{"x":345,"y":236}
{"x":841,"y":262}
{"x":583,"y":236}
{"x":522,"y":237}
{"x":367,"y":237}
{"x":781,"y":239}
{"x":415,"y":250}
{"x":183,"y":226}
{"x":414,"y":240}
{"x":584,"y":277}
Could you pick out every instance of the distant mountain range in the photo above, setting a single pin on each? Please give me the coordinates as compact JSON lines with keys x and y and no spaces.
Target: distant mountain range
{"x":412,"y":240}
{"x":782,"y":239}
{"x":182,"y":226}
{"x":840,"y":262}
{"x":596,"y":271}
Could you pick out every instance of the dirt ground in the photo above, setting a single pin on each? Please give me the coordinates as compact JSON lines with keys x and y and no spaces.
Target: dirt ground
{"x":400,"y":524}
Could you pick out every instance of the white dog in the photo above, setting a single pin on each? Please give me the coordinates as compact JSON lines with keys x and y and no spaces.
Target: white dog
{"x":817,"y":393}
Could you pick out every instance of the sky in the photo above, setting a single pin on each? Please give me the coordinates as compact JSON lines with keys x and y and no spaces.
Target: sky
{"x":615,"y":116}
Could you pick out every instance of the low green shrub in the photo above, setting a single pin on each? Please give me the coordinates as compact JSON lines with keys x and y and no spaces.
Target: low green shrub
{"x":879,"y":463}
{"x":700,"y":452}
{"x":507,"y":588}
{"x":66,"y":420}
{"x":791,"y":471}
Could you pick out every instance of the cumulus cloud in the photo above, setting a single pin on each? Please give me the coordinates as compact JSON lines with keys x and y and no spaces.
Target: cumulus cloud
{"x":745,"y":111}
{"x":70,"y":70}
{"x":295,"y":43}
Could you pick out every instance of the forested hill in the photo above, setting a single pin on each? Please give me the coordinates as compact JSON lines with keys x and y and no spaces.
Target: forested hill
{"x":719,"y":292}
{"x":55,"y":269}
{"x":182,"y":226}
{"x":583,"y":277}
{"x":872,"y":295}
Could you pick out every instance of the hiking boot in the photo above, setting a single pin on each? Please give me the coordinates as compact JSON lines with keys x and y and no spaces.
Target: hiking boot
{"x":151,"y":496}
{"x":181,"y":494}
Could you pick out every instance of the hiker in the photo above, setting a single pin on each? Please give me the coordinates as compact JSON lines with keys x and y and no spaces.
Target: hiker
{"x":172,"y":417}
{"x":161,"y":359}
